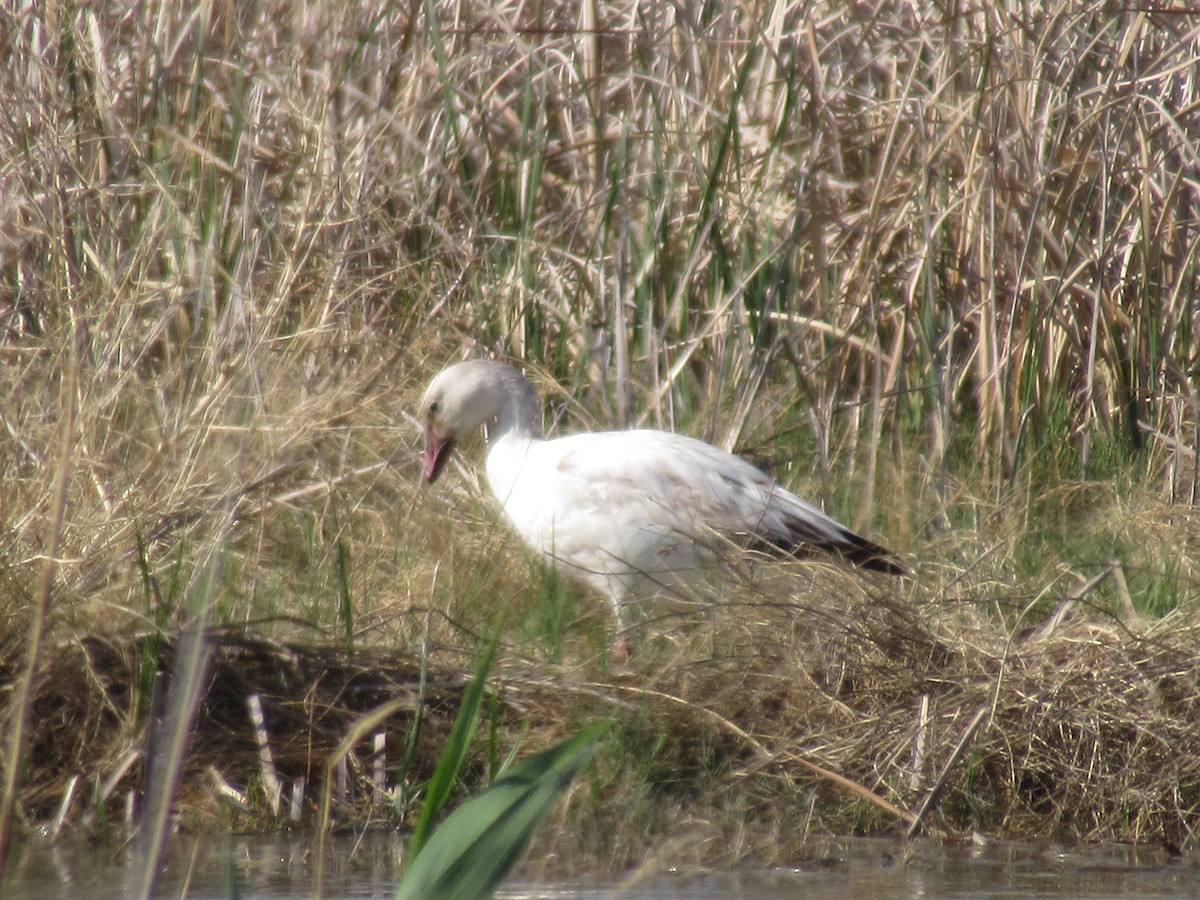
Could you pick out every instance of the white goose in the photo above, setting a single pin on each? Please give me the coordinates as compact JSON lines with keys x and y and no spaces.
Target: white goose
{"x":629,"y":512}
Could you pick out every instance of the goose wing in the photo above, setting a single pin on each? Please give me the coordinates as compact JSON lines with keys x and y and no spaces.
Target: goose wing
{"x":643,"y":492}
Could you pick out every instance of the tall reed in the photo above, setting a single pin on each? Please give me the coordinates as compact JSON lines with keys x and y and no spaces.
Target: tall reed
{"x":938,"y":263}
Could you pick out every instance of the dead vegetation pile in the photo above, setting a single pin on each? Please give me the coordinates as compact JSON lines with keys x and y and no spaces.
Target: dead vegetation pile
{"x":1081,"y":728}
{"x":865,"y":711}
{"x":96,"y":713}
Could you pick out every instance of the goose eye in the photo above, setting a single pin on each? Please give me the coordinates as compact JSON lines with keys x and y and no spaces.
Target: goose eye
{"x":433,"y":407}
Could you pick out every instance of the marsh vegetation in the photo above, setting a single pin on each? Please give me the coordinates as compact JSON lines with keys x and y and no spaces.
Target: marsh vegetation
{"x":934,"y":266}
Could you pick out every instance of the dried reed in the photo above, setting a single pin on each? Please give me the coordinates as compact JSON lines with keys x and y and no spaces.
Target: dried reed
{"x":937,"y":264}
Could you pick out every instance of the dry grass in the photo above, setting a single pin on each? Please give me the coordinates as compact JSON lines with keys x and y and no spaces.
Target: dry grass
{"x":937,"y":269}
{"x":742,"y":736}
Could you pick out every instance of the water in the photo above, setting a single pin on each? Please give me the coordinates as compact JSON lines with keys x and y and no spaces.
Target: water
{"x":885,"y":870}
{"x":276,"y":866}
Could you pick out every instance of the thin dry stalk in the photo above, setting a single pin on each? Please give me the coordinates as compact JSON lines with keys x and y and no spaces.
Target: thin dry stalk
{"x":934,"y":266}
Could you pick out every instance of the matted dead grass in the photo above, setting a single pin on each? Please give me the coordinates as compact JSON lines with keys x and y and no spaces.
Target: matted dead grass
{"x":843,"y":709}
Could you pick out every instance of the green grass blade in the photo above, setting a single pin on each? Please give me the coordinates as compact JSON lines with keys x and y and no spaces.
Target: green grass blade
{"x":472,"y":851}
{"x":450,"y":763}
{"x":345,"y":601}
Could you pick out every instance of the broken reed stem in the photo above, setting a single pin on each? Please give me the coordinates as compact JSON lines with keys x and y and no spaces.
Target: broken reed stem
{"x":341,"y":784}
{"x":232,"y":795}
{"x":1118,"y":577}
{"x":916,"y":819}
{"x":118,"y":774}
{"x":297,"y":803}
{"x":267,"y":770}
{"x":64,"y":808}
{"x":920,"y":738}
{"x":1070,"y":602}
{"x":379,"y":769}
{"x":335,"y":789}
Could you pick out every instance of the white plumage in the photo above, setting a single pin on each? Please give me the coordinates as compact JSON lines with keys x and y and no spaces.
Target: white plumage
{"x":628,"y":512}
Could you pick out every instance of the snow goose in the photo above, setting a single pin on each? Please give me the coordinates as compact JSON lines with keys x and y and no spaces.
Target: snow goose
{"x":630,"y":513}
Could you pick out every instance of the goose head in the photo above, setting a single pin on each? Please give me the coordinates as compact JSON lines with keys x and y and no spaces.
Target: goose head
{"x":468,"y":396}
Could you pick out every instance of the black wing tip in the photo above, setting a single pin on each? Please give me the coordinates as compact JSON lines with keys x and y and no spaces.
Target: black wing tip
{"x":869,"y":555}
{"x":876,"y":559}
{"x":857,"y":551}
